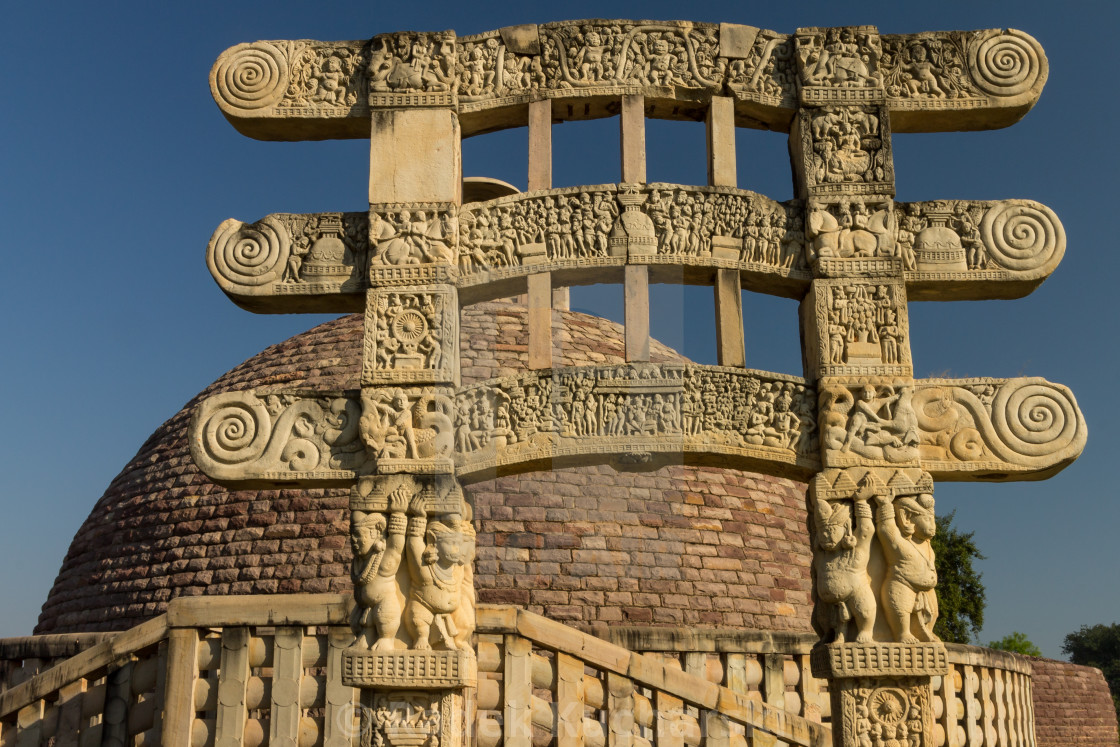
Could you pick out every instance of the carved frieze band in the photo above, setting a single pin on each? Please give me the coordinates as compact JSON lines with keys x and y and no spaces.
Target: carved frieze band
{"x":938,"y":79}
{"x":637,"y":411}
{"x":955,"y":428}
{"x":944,"y":249}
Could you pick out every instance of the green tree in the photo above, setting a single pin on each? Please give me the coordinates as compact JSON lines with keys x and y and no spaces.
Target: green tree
{"x":1016,"y":643}
{"x":1098,"y":646}
{"x":960,"y":593}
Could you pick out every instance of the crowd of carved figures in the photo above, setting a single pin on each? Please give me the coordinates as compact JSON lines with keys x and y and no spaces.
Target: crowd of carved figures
{"x":561,"y":227}
{"x":412,"y":574}
{"x":873,"y":555}
{"x":573,"y":226}
{"x":863,"y":324}
{"x":644,"y":54}
{"x":401,"y":63}
{"x":949,"y":67}
{"x":637,"y":402}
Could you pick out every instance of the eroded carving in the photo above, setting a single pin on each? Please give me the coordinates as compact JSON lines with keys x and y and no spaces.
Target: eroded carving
{"x":412,"y":68}
{"x":408,"y":429}
{"x":767,"y":75}
{"x":327,"y":76}
{"x":597,"y":54}
{"x":278,"y":436}
{"x":846,"y":149}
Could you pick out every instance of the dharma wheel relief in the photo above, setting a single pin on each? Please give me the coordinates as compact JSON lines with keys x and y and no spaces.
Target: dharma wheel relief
{"x":868,"y":436}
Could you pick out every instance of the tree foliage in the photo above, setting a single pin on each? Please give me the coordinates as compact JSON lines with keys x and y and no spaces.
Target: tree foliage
{"x":1098,"y":646}
{"x":1016,"y":643}
{"x":960,"y":593}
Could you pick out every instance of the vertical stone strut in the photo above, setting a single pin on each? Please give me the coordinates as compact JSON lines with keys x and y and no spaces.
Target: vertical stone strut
{"x":632,"y":139}
{"x":872,"y":507}
{"x":720,"y":126}
{"x":410,"y":526}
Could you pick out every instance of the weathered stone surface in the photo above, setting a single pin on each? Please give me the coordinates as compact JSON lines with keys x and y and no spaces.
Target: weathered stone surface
{"x":943,"y":249}
{"x":932,"y":81}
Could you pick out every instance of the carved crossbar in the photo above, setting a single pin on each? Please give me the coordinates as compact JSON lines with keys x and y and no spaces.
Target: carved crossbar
{"x":279,"y":265}
{"x":295,"y":90}
{"x":995,"y":429}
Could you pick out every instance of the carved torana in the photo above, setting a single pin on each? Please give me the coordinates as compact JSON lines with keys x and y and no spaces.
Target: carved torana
{"x":869,"y":437}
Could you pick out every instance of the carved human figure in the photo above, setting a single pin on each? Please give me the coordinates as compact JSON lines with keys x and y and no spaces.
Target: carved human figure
{"x":377,"y":547}
{"x":922,"y":77}
{"x":438,"y":564}
{"x":840,"y":562}
{"x":589,"y":59}
{"x":905,"y":527}
{"x":330,"y":83}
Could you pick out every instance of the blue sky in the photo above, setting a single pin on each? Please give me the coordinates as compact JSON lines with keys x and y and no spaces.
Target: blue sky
{"x":117,"y":166}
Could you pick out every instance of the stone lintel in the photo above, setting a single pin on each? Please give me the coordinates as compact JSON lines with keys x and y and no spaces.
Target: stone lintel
{"x":313,"y":90}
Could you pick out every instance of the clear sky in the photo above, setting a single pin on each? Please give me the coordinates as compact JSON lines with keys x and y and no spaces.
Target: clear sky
{"x":117,"y":166}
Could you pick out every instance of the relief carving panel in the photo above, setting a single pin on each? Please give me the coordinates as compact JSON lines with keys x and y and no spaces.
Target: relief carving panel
{"x":957,"y":428}
{"x":411,"y":336}
{"x":271,"y":437}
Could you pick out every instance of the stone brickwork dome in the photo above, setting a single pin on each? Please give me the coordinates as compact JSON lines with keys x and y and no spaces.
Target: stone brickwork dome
{"x":676,"y":546}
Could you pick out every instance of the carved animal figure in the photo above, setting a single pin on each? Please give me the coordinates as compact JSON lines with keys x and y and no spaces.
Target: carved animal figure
{"x":905,"y":527}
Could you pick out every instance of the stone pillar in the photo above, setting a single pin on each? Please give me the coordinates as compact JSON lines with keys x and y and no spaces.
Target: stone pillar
{"x":410,"y":525}
{"x":871,"y":508}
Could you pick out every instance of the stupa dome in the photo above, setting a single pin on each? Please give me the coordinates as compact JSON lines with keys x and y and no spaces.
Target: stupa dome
{"x":589,"y":545}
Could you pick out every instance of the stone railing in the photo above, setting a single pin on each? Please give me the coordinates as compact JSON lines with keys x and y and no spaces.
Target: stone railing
{"x":989,"y":691}
{"x":266,"y":670}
